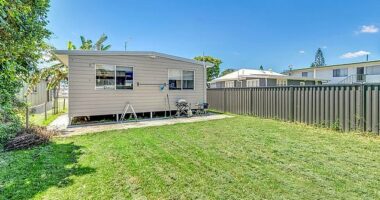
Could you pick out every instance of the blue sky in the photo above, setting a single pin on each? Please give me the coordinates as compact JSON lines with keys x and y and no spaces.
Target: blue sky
{"x":244,"y":34}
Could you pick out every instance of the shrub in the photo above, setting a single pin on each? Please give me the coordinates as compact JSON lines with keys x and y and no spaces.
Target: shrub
{"x":10,"y":123}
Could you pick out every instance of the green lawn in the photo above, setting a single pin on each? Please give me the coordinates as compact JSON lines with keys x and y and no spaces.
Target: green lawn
{"x":235,"y":158}
{"x":39,"y":119}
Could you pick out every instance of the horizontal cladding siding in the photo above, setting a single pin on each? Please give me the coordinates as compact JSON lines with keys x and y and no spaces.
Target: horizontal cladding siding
{"x":86,"y":100}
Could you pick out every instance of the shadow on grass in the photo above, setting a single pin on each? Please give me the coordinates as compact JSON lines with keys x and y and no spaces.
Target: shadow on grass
{"x":23,"y":174}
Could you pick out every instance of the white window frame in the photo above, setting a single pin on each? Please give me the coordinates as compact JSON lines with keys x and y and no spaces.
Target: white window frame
{"x":253,"y":83}
{"x":182,"y":79}
{"x":114,"y":68}
{"x":340,"y":69}
{"x":191,"y":70}
{"x":228,"y":85}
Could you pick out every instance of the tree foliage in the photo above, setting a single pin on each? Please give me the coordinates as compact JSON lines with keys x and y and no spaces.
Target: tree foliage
{"x":58,"y":72}
{"x":22,"y":43}
{"x":212,"y":72}
{"x":319,"y":60}
{"x":227,"y":71}
{"x":99,"y":45}
{"x":261,"y":67}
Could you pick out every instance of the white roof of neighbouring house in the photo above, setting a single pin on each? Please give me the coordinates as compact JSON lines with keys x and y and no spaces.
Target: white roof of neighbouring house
{"x":62,"y":55}
{"x":244,"y":73}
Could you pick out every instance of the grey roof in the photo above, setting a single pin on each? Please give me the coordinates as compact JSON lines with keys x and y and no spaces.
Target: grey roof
{"x":129,"y":53}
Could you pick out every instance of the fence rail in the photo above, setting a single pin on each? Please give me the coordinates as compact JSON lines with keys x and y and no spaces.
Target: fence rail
{"x":344,"y":107}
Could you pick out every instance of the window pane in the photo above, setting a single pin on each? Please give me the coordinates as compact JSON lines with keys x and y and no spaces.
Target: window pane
{"x":304,"y":74}
{"x":124,"y":77}
{"x":373,"y":70}
{"x":174,"y":79}
{"x":105,"y":77}
{"x":188,"y":79}
{"x":340,"y":72}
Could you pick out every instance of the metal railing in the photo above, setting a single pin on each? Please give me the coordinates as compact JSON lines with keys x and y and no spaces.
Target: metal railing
{"x":357,"y":78}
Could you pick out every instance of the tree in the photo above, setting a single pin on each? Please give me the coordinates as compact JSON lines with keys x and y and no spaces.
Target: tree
{"x":71,"y":46}
{"x":227,"y":71}
{"x":22,"y":42}
{"x":98,"y":46}
{"x":261,"y":67}
{"x":319,"y":59}
{"x":212,"y":72}
{"x":86,"y":44}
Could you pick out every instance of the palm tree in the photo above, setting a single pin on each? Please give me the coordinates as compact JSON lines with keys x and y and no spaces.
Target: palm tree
{"x":86,"y":44}
{"x":99,"y":46}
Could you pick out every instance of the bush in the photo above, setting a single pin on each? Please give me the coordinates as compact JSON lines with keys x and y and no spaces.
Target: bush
{"x":10,"y":124}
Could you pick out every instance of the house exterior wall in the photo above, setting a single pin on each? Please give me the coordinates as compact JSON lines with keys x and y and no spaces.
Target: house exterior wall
{"x":85,"y":100}
{"x":38,"y":97}
{"x":327,"y":72}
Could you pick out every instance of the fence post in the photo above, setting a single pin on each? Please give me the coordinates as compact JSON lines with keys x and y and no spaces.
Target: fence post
{"x":45,"y":110}
{"x":362,"y":107}
{"x":64,"y":102}
{"x":27,"y":117}
{"x":291,"y":104}
{"x":224,"y":100}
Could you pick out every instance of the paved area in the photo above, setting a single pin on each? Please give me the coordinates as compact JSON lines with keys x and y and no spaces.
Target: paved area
{"x":59,"y":124}
{"x":84,"y":129}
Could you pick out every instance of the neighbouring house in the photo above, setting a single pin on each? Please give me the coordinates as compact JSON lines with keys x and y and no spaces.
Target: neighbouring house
{"x":104,"y":82}
{"x":259,"y":78}
{"x":39,"y":96}
{"x":361,"y":72}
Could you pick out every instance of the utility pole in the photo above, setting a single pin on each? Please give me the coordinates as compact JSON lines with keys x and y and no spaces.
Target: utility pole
{"x":125,"y":46}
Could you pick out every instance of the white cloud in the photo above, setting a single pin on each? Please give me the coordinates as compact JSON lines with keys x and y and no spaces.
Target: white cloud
{"x":369,"y":29}
{"x":355,"y":54}
{"x":302,"y":51}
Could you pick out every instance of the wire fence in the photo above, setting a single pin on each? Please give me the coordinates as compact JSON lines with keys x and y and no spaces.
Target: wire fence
{"x":40,"y":114}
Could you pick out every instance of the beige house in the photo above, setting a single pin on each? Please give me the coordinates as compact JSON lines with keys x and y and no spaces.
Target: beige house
{"x":104,"y":82}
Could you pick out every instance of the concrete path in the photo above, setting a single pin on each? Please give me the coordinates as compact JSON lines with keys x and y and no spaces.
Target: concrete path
{"x":59,"y":124}
{"x":67,"y":131}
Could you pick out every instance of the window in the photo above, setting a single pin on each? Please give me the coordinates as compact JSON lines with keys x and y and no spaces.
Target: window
{"x":281,"y":82}
{"x":175,"y":79}
{"x":105,"y":77}
{"x":124,"y":77}
{"x":253,"y":83}
{"x":304,"y":74}
{"x":114,"y":77}
{"x":340,"y":72}
{"x":229,"y":84}
{"x":373,"y":70}
{"x":188,"y":80}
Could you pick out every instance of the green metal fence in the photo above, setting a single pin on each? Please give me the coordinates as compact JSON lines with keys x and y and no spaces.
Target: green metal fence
{"x":344,"y":107}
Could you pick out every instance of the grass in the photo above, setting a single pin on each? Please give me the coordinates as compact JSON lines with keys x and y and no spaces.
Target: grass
{"x":39,"y":119}
{"x":235,"y":158}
